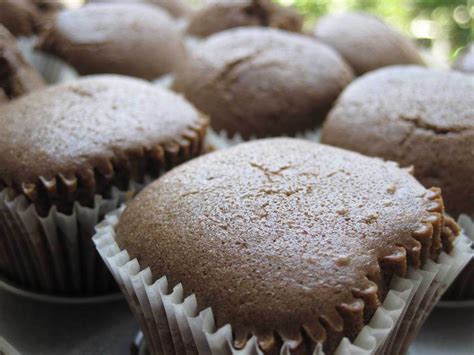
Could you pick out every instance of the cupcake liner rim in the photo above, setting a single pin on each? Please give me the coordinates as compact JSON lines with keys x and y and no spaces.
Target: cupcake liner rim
{"x":86,"y":180}
{"x":140,"y":285}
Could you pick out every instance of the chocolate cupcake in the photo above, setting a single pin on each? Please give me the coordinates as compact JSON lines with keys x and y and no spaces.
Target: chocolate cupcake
{"x":257,"y":82}
{"x":418,"y":117}
{"x":176,"y":8}
{"x":415,"y":116}
{"x":131,"y":39}
{"x":221,"y":15}
{"x":287,"y":245}
{"x":25,"y":17}
{"x":17,"y":77}
{"x":465,"y":62}
{"x":365,"y":41}
{"x":71,"y":153}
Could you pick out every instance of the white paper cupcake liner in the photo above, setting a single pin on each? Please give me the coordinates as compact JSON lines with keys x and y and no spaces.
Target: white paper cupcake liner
{"x":165,"y":81}
{"x":220,"y":140}
{"x":6,"y":348}
{"x":463,"y":287}
{"x":53,"y":69}
{"x":191,"y":42}
{"x":55,"y":254}
{"x":171,"y":321}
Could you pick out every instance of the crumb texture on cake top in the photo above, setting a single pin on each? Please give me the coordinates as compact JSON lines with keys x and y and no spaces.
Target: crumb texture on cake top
{"x":283,"y":236}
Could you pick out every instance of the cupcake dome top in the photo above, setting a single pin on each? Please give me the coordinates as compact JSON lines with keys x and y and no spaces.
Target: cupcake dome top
{"x":365,"y":41}
{"x":263,"y":82}
{"x":281,"y":235}
{"x":89,"y":126}
{"x":415,"y":116}
{"x":131,"y":39}
{"x":225,"y":14}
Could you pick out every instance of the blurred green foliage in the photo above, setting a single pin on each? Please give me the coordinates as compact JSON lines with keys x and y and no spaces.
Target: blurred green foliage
{"x":446,"y":24}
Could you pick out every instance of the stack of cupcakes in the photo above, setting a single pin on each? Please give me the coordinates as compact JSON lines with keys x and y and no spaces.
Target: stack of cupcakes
{"x":274,"y":246}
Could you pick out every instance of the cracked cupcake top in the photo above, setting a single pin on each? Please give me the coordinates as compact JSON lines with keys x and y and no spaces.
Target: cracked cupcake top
{"x":225,"y":14}
{"x":285,"y":239}
{"x":130,"y":38}
{"x":81,"y":132}
{"x":416,"y":116}
{"x":263,"y":82}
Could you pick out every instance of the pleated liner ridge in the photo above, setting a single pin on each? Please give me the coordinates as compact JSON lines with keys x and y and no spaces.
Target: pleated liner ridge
{"x":463,"y":287}
{"x":436,"y":234}
{"x":38,"y":219}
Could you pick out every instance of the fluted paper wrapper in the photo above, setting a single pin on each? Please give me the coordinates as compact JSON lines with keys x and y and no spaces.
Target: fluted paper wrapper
{"x":172,"y":322}
{"x":55,"y":254}
{"x":220,"y":140}
{"x":462,"y":288}
{"x":53,"y":70}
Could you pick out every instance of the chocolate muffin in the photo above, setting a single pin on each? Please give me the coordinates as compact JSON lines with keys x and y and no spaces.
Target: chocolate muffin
{"x":25,"y":17}
{"x":365,"y":41}
{"x":465,"y":62}
{"x":262,"y":82}
{"x":66,"y":151}
{"x":17,"y":77}
{"x":176,"y":8}
{"x":285,"y":239}
{"x":131,"y":39}
{"x":415,"y":116}
{"x":221,"y":15}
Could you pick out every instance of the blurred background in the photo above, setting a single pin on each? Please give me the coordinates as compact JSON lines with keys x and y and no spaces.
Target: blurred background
{"x":441,"y":27}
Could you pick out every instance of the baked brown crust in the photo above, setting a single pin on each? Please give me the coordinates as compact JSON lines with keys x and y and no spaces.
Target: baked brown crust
{"x":17,"y":77}
{"x":263,"y":82}
{"x":73,"y":140}
{"x":365,"y":41}
{"x":286,"y":239}
{"x":225,"y":14}
{"x":465,"y":62}
{"x":130,"y":39}
{"x":415,"y":116}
